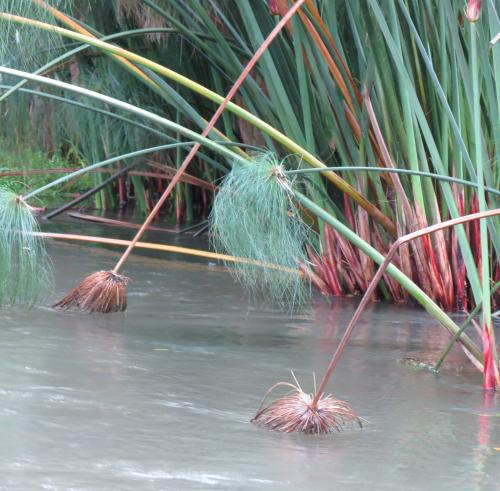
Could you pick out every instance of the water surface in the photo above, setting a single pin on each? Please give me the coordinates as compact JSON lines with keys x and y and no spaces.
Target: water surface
{"x":160,"y":397}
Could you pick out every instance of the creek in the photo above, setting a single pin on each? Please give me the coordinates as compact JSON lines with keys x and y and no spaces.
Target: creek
{"x":160,"y":397}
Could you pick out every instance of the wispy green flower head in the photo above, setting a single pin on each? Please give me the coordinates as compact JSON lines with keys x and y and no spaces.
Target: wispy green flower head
{"x":25,"y":271}
{"x":26,"y":47}
{"x":255,"y":216}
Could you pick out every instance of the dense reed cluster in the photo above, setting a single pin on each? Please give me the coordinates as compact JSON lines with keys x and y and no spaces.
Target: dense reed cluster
{"x":383,"y":102}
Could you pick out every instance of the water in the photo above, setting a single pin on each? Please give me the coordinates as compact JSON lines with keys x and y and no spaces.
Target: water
{"x":161,"y":397}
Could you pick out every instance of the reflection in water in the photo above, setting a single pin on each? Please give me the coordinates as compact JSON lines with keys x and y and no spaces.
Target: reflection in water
{"x":484,"y":454}
{"x":101,"y":344}
{"x":160,"y":397}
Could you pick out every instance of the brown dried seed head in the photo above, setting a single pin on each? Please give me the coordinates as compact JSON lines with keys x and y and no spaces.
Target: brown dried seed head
{"x":295,"y":413}
{"x":103,"y":292}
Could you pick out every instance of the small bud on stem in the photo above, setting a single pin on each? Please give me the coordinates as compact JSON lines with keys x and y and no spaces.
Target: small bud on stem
{"x":473,"y":10}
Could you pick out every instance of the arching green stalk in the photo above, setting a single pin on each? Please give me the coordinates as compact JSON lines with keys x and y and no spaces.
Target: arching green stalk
{"x":103,"y":163}
{"x":83,"y":105}
{"x":220,"y":149}
{"x":75,"y":51}
{"x":413,"y":289}
{"x":367,"y":168}
{"x":109,"y":161}
{"x":83,"y":47}
{"x":132,"y":122}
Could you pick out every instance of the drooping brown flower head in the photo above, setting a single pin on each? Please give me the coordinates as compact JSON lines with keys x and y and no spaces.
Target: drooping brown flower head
{"x":296,"y":412}
{"x":102,"y":292}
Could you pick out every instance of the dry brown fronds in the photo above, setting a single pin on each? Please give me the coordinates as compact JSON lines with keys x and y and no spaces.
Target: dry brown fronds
{"x":296,"y":412}
{"x":103,"y":292}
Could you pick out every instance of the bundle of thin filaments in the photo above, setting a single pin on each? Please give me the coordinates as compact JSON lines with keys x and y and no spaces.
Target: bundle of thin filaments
{"x":25,"y":268}
{"x":254,"y":216}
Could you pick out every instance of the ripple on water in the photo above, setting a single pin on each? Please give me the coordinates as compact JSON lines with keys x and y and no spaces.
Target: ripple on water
{"x":226,"y":480}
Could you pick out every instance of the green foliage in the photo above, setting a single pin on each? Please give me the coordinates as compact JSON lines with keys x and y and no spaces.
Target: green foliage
{"x":254,"y":216}
{"x":25,"y":270}
{"x":27,"y":160}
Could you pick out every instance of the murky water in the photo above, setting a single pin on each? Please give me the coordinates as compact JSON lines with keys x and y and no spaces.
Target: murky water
{"x":161,"y":397}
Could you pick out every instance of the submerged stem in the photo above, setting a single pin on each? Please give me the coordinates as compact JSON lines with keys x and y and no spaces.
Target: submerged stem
{"x":457,"y":335}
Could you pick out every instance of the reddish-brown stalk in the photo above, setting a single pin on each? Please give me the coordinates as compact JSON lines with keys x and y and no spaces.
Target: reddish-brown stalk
{"x":388,"y":258}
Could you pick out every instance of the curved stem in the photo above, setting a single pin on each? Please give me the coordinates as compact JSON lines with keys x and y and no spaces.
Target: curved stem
{"x":222,"y":150}
{"x":83,"y":47}
{"x":119,"y":117}
{"x":84,"y":170}
{"x":373,"y":283}
{"x":79,"y":49}
{"x":112,"y":160}
{"x":382,"y":170}
{"x":91,"y":108}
